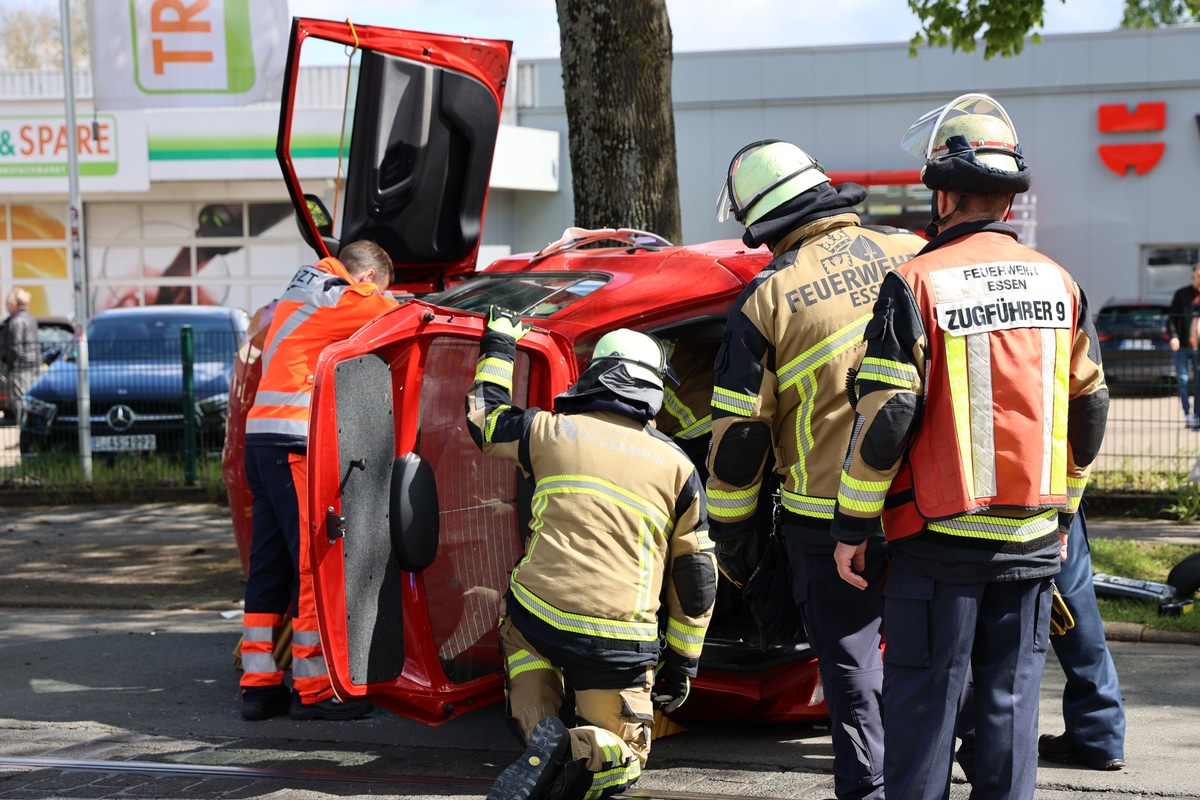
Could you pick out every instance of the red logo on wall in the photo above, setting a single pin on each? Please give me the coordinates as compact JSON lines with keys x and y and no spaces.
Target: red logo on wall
{"x":1141,"y":156}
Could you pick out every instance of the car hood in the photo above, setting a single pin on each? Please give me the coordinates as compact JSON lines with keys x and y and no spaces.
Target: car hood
{"x":118,"y":380}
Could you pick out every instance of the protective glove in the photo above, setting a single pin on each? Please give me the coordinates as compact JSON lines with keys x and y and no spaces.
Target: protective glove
{"x":737,"y":558}
{"x":507,"y":323}
{"x":768,"y":593}
{"x":671,"y":684}
{"x":1061,"y":620}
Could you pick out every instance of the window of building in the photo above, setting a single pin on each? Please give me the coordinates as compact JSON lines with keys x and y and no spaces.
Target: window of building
{"x":1167,"y":267}
{"x":33,"y":256}
{"x":232,"y":254}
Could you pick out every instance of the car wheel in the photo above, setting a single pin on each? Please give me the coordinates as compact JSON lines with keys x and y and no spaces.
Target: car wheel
{"x":27,"y":443}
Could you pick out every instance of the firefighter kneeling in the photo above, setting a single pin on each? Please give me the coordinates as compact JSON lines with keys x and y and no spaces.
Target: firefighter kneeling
{"x":619,"y":529}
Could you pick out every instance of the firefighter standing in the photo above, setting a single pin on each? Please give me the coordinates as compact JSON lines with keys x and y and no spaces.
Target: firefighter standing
{"x":324,"y":303}
{"x":981,"y":406}
{"x":619,"y":556}
{"x":792,"y":336}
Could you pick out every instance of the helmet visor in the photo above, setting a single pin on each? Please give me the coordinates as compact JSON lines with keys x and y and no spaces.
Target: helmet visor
{"x":724,"y":204}
{"x":919,"y":139}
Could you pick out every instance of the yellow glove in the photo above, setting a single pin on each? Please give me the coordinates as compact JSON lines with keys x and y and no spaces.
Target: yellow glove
{"x":1061,"y":620}
{"x":506,"y":322}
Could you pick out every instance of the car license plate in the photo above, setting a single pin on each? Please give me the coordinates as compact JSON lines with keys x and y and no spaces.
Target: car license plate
{"x":121,"y":444}
{"x":1137,"y":344}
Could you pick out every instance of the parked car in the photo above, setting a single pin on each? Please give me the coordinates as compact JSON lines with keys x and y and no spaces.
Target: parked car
{"x":1135,"y":344}
{"x":414,"y":531}
{"x":135,"y":381}
{"x":54,"y":334}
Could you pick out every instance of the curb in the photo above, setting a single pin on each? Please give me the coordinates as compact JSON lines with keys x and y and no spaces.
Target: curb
{"x":1135,"y":632}
{"x":11,"y":497}
{"x":117,"y":604}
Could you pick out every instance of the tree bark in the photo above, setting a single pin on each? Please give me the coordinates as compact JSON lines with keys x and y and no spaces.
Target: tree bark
{"x":616,"y":64}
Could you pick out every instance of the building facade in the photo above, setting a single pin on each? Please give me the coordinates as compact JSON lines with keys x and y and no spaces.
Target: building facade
{"x":188,"y":205}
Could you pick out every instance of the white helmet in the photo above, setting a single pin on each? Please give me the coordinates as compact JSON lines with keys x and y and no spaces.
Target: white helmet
{"x":763,"y":176}
{"x":643,"y":356}
{"x":969,"y":145}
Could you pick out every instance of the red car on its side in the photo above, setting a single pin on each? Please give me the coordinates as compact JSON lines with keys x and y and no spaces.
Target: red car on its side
{"x":414,"y":531}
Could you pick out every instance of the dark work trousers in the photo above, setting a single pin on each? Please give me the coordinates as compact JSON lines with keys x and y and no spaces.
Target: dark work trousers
{"x":843,"y":626}
{"x":272,"y":585}
{"x":1092,"y":707}
{"x":939,"y":634}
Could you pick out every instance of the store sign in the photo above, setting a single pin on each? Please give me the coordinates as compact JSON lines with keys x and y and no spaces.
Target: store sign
{"x":180,"y":53}
{"x":111,"y":153}
{"x":1141,"y":157}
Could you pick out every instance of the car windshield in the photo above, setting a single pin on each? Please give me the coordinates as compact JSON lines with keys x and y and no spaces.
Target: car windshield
{"x":1128,"y":320}
{"x":530,"y":295}
{"x":159,"y":339}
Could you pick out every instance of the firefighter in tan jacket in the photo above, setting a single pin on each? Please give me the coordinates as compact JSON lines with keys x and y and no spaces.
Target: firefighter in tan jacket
{"x":619,"y":529}
{"x":779,"y":401}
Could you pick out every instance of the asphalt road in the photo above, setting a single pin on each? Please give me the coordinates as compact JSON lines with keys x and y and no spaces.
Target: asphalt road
{"x":116,"y":632}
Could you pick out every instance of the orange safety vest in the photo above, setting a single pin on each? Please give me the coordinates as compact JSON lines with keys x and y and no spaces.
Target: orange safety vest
{"x":1000,"y":321}
{"x":320,"y":306}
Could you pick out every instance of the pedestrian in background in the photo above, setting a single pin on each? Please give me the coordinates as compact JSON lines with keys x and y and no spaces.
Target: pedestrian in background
{"x":324,"y":303}
{"x":780,"y":386}
{"x":1091,"y":705}
{"x":981,"y":407}
{"x":1181,"y":322}
{"x":20,"y":353}
{"x":619,"y":556}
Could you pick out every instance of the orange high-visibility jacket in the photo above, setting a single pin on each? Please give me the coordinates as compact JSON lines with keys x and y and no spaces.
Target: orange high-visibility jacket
{"x":320,"y":306}
{"x":1000,"y":334}
{"x":981,"y":390}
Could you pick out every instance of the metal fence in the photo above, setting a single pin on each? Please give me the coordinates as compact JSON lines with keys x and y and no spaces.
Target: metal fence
{"x":1148,"y":445}
{"x":139,"y":400}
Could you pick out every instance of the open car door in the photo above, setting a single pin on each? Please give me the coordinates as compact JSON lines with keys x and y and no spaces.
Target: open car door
{"x":421,"y":113}
{"x":413,"y":530}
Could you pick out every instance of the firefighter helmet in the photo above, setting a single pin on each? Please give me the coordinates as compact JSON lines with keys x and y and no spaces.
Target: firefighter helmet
{"x":763,"y":176}
{"x":969,"y":145}
{"x":643,"y":356}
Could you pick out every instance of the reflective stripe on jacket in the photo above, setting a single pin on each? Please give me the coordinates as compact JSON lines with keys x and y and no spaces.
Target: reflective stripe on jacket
{"x":320,"y":306}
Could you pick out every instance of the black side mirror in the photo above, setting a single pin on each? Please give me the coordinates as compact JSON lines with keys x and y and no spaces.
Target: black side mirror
{"x":320,"y":215}
{"x":414,"y":513}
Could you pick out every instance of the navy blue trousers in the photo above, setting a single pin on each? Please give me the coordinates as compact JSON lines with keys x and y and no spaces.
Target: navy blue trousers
{"x":938,"y":636}
{"x":1092,"y":707}
{"x":273,"y":584}
{"x":843,"y":625}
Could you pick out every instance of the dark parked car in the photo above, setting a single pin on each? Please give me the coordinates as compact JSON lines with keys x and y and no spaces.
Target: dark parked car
{"x":1135,"y":344}
{"x":135,"y":379}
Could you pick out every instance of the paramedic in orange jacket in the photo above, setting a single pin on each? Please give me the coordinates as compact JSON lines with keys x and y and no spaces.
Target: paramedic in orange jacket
{"x":981,"y":405}
{"x":324,"y":303}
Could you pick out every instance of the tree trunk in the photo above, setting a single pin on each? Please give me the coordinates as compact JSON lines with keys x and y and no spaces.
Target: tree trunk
{"x":616,"y":64}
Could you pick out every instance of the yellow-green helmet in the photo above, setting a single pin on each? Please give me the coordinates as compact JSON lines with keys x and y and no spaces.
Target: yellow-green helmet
{"x":642,"y":355}
{"x":969,"y":145}
{"x":763,"y":176}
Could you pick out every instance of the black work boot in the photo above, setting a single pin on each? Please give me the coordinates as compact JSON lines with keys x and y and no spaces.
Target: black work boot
{"x":532,"y":775}
{"x":1062,"y":750}
{"x":331,"y":708}
{"x":264,"y":704}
